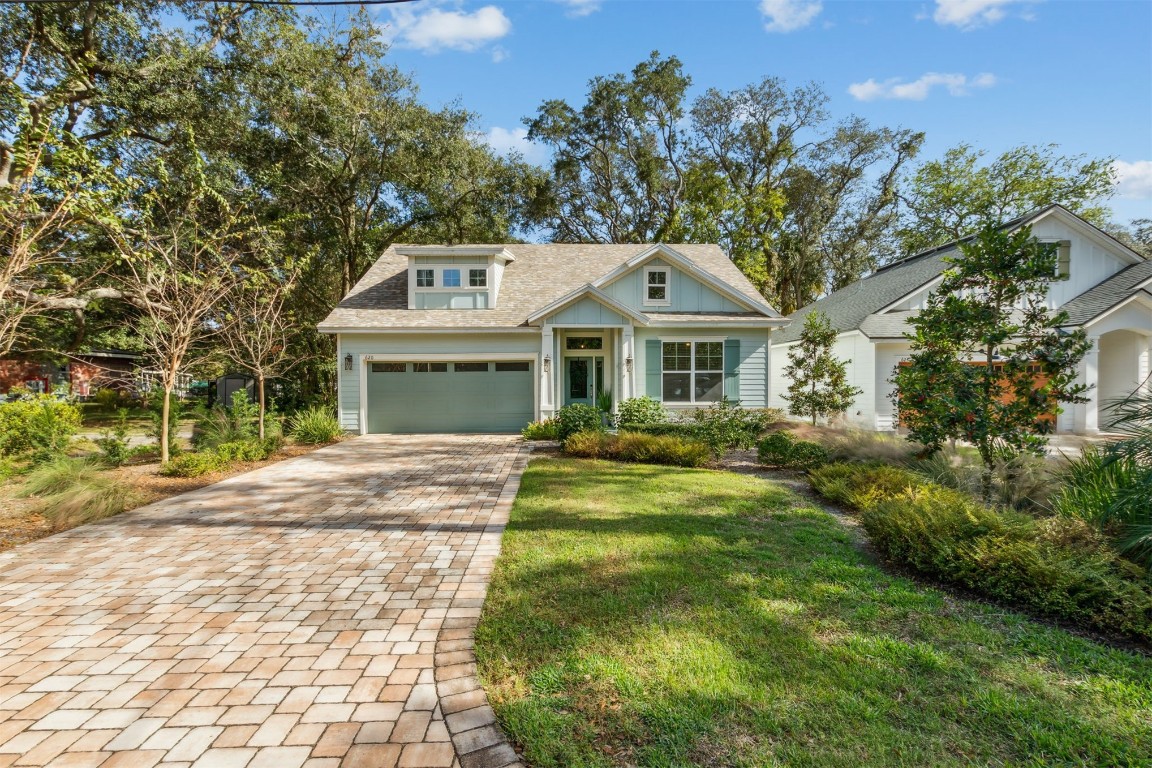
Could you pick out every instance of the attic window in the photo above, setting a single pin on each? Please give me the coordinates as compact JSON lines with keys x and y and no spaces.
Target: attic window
{"x":1063,"y":259}
{"x":656,"y":286}
{"x":425,"y":278}
{"x":477,"y":278}
{"x":451,"y":278}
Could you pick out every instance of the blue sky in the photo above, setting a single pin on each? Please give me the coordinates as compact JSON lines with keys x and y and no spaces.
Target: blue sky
{"x":993,"y":73}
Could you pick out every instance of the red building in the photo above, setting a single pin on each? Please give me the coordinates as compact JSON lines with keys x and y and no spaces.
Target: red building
{"x":83,"y":372}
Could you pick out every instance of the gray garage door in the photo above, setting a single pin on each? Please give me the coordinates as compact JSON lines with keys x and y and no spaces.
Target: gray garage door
{"x":464,"y":396}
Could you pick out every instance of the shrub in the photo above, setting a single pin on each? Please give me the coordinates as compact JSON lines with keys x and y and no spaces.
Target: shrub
{"x":578,"y":417}
{"x":194,"y":464}
{"x":108,"y":398}
{"x":866,"y":446}
{"x":75,"y":491}
{"x":724,"y":426}
{"x":685,"y":429}
{"x":113,"y":442}
{"x":541,"y":430}
{"x":780,"y":449}
{"x":39,"y":426}
{"x":863,"y":486}
{"x":638,"y":447}
{"x":316,"y":426}
{"x":640,"y":410}
{"x":236,"y":423}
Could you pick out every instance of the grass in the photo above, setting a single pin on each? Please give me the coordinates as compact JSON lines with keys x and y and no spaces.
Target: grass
{"x":652,"y":616}
{"x":76,"y":491}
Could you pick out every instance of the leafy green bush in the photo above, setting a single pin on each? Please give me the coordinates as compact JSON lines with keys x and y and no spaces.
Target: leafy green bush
{"x":248,"y":450}
{"x":725,"y":426}
{"x":541,"y":430}
{"x":39,"y":426}
{"x":113,"y":442}
{"x":780,"y":449}
{"x":194,"y":464}
{"x":578,"y":417}
{"x":75,"y":491}
{"x":639,"y":411}
{"x":108,"y":398}
{"x":316,"y":426}
{"x":638,"y":447}
{"x":236,"y":423}
{"x":863,"y":485}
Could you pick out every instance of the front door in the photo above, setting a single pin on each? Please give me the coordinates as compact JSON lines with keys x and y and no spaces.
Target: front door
{"x":583,"y":379}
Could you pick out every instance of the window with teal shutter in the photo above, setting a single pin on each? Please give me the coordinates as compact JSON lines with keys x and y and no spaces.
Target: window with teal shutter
{"x":732,"y":369}
{"x":652,"y":368}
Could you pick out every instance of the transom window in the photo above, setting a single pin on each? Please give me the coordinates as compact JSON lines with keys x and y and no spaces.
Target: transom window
{"x":425,"y":278}
{"x":478,"y":278}
{"x":584,"y":342}
{"x":430,"y":367}
{"x":693,"y":371}
{"x":656,"y":286}
{"x":471,"y":367}
{"x":389,"y":367}
{"x":451,"y":278}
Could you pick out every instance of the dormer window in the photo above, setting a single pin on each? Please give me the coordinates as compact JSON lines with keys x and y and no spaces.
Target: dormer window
{"x":425,"y":278}
{"x":656,"y":286}
{"x":451,"y":278}
{"x":478,"y":278}
{"x":454,"y":277}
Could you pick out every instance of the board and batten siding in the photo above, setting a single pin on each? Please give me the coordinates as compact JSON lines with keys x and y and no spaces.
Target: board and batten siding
{"x":755,"y":362}
{"x":686,"y":292}
{"x":859,"y":353}
{"x":469,"y":346}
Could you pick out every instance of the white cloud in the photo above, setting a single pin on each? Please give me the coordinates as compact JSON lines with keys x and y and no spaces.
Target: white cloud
{"x":578,"y":8}
{"x":919,"y":89}
{"x":437,"y":29}
{"x":1133,"y":180}
{"x":789,"y":15}
{"x":505,"y":140}
{"x":970,"y":14}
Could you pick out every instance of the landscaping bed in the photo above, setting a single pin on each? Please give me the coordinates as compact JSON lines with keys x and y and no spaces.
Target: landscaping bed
{"x":644,"y":615}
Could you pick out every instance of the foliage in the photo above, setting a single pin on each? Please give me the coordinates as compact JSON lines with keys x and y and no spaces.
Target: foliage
{"x":818,"y":380}
{"x":952,"y":197}
{"x":156,"y":410}
{"x":781,"y":449}
{"x":235,"y":423}
{"x":39,"y":426}
{"x":1024,"y":482}
{"x":113,"y":442}
{"x":685,"y":429}
{"x":578,"y":417}
{"x":800,"y":205}
{"x":640,"y":410}
{"x":221,"y":457}
{"x":989,"y":361}
{"x":638,"y":447}
{"x":194,"y":464}
{"x":863,"y":486}
{"x":864,"y":445}
{"x":315,"y":426}
{"x":725,"y":426}
{"x":76,"y":491}
{"x":548,"y":429}
{"x":660,"y":616}
{"x":604,"y":401}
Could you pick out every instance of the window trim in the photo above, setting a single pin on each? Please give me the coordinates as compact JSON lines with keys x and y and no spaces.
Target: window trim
{"x":438,"y":279}
{"x":667,"y":300}
{"x":693,"y":370}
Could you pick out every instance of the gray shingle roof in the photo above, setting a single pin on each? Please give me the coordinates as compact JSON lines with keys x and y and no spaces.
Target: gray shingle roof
{"x":1103,"y":296}
{"x":890,"y":325}
{"x":541,"y":274}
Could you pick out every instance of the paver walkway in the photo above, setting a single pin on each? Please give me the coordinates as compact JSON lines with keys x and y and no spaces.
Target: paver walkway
{"x":316,"y":612}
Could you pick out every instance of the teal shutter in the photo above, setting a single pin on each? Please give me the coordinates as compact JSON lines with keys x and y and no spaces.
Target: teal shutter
{"x":732,"y":369}
{"x":652,"y":368}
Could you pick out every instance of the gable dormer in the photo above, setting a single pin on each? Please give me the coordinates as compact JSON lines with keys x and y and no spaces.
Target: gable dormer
{"x":454,"y":277}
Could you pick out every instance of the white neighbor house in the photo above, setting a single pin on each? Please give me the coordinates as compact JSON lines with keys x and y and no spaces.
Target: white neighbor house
{"x":1104,"y":286}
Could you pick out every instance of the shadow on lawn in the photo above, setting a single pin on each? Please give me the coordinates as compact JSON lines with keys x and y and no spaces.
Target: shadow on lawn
{"x":734,"y":620}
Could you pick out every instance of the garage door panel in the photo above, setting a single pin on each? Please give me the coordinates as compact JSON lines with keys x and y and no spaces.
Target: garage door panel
{"x":440,"y":397}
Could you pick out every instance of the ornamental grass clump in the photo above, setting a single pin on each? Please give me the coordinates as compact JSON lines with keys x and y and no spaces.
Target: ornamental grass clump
{"x":76,"y":491}
{"x":316,"y":426}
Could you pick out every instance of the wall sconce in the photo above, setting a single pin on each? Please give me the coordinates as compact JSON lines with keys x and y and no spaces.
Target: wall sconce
{"x":547,"y":363}
{"x":628,"y":364}
{"x":348,"y":362}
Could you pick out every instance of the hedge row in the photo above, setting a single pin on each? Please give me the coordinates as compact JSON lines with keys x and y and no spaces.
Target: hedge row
{"x":639,"y":447}
{"x":221,"y":457}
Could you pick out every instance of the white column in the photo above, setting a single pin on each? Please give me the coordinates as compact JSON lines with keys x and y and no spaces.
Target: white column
{"x":1090,"y":375}
{"x":628,"y":351}
{"x":1145,"y":369}
{"x":547,"y":404}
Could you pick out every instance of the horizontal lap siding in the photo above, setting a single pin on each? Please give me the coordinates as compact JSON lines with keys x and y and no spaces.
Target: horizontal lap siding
{"x":754,"y":357}
{"x":468,"y":345}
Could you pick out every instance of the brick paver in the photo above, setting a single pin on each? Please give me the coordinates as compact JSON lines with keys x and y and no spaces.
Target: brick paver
{"x":319,"y":611}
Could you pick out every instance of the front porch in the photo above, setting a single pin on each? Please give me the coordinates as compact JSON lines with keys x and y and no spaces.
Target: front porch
{"x":580,"y":363}
{"x":1119,"y":362}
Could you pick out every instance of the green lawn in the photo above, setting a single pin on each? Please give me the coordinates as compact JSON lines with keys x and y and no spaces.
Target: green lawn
{"x":652,"y":616}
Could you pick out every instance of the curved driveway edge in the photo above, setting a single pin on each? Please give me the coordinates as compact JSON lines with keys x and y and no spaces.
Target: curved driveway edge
{"x":315,"y":613}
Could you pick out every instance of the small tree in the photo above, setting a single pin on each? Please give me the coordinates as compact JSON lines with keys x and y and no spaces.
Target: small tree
{"x":819,"y":381}
{"x":989,"y":362}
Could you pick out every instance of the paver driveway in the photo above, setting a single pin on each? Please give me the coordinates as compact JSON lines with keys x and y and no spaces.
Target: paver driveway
{"x":316,"y":612}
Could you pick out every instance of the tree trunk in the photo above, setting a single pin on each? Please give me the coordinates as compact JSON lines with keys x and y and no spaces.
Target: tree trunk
{"x":165,"y":410}
{"x":260,"y":401}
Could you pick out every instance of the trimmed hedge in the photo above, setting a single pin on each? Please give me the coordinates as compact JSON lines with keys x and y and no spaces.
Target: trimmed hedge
{"x":638,"y":447}
{"x":1056,"y":567}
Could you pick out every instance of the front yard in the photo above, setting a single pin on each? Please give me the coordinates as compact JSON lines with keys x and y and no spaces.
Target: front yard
{"x":644,"y":615}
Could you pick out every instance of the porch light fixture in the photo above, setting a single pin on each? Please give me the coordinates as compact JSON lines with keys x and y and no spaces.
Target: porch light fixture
{"x":348,"y":362}
{"x":547,"y":363}
{"x":628,"y":363}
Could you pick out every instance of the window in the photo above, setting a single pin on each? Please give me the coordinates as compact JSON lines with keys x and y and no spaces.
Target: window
{"x":389,"y":367}
{"x":656,"y":286}
{"x":471,"y":367}
{"x":693,"y":371}
{"x":478,"y":278}
{"x":425,"y":278}
{"x":430,"y":367}
{"x":1063,"y":260}
{"x":584,"y":342}
{"x":450,"y":278}
{"x":511,"y":367}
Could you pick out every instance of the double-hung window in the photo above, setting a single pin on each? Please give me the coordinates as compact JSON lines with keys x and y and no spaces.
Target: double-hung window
{"x":425,"y":278}
{"x":451,"y":278}
{"x":477,"y":278}
{"x":693,"y":371}
{"x":656,"y":286}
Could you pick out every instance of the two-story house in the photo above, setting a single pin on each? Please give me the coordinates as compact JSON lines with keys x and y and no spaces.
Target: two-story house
{"x":485,"y":338}
{"x":1104,"y":286}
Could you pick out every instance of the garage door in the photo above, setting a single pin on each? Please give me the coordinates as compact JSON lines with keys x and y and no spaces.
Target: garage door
{"x":465,"y":396}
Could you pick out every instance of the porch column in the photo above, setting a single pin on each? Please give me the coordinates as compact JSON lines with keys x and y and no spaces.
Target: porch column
{"x":1090,"y":375}
{"x":547,"y":405}
{"x":628,"y":352}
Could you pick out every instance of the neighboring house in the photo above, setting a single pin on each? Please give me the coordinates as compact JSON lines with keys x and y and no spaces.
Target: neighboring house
{"x":82,"y":372}
{"x":485,"y":338}
{"x":1105,"y":287}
